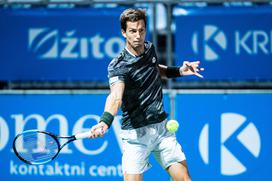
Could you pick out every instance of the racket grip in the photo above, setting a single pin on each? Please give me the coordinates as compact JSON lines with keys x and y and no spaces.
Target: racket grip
{"x":83,"y":135}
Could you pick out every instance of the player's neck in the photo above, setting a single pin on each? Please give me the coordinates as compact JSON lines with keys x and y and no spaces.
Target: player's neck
{"x":135,"y":51}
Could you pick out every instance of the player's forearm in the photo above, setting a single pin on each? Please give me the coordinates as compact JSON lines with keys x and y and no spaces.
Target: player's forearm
{"x":111,"y":108}
{"x":113,"y":104}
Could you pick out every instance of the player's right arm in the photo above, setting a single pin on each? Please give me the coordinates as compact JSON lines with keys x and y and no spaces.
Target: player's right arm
{"x":112,"y":105}
{"x":114,"y":99}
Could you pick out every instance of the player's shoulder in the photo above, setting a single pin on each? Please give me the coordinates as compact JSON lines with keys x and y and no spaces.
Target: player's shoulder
{"x":117,"y":61}
{"x":149,"y":46}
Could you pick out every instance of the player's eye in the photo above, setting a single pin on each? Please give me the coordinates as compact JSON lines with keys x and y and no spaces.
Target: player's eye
{"x":132,"y":31}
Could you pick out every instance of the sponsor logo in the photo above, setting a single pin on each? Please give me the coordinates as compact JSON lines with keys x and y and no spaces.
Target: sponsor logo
{"x":213,"y":40}
{"x":4,"y":134}
{"x":48,"y":43}
{"x":153,"y":60}
{"x":235,"y":130}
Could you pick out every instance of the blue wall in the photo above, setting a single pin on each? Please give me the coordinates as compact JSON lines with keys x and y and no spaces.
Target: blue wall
{"x":224,"y":136}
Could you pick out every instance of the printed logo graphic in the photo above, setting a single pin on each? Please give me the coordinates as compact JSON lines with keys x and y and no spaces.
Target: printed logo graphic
{"x":153,"y":60}
{"x":48,"y":43}
{"x":235,"y":131}
{"x":44,"y":42}
{"x":211,"y":42}
{"x":4,"y":134}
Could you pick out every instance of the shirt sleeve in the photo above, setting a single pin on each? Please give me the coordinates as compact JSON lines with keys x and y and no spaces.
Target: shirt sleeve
{"x":116,"y":72}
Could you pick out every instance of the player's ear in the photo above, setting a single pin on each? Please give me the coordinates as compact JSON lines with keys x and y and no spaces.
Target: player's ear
{"x":123,"y":33}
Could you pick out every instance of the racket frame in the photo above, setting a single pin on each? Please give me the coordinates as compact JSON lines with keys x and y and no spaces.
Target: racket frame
{"x":55,"y":137}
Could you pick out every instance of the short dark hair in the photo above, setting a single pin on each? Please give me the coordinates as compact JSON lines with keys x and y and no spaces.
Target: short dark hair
{"x":132,"y":15}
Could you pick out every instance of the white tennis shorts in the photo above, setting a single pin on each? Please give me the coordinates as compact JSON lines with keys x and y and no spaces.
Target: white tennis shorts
{"x":139,"y":143}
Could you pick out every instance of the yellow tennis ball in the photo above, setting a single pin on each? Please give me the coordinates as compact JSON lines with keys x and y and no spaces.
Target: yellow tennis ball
{"x":172,"y":126}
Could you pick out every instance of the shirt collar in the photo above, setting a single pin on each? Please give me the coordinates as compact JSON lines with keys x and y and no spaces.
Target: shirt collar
{"x":130,"y":52}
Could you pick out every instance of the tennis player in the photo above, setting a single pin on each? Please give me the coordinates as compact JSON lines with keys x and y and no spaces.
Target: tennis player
{"x":136,"y":86}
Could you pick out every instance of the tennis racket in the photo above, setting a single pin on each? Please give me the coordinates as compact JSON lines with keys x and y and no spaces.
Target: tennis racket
{"x":39,"y":147}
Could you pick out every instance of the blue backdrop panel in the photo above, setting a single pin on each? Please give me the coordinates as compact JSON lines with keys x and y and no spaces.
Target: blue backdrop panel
{"x":226,"y":136}
{"x":232,"y":43}
{"x":63,"y":114}
{"x":58,"y":44}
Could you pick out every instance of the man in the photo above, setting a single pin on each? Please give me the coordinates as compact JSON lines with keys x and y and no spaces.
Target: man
{"x":136,"y":86}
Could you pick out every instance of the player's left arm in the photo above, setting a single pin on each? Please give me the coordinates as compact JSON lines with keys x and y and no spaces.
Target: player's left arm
{"x":187,"y":68}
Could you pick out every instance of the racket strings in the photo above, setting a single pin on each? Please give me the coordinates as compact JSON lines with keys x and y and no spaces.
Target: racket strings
{"x":36,"y":147}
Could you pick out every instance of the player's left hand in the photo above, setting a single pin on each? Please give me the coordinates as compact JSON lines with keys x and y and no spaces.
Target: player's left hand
{"x":191,"y":68}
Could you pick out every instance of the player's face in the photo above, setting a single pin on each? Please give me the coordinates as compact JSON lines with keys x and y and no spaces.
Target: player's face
{"x":135,"y":34}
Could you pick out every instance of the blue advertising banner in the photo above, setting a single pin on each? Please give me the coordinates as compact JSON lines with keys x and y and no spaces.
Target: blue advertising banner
{"x":232,"y":43}
{"x":63,"y":114}
{"x":226,"y":136}
{"x":58,"y":44}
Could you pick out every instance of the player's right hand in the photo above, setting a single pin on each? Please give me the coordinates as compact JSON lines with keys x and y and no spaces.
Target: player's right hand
{"x":99,"y":130}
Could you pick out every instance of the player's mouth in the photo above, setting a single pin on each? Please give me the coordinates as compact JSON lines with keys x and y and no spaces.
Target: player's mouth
{"x":137,"y":42}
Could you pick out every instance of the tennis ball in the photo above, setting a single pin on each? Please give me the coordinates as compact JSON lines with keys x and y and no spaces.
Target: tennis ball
{"x":172,"y":126}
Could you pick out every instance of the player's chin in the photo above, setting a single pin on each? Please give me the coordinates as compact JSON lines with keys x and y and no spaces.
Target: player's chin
{"x":138,"y":45}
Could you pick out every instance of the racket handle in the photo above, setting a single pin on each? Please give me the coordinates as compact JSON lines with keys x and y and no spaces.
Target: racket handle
{"x":83,"y":135}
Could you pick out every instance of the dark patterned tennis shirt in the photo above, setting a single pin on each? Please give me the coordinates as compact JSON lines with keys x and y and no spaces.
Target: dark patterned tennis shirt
{"x":142,"y":102}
